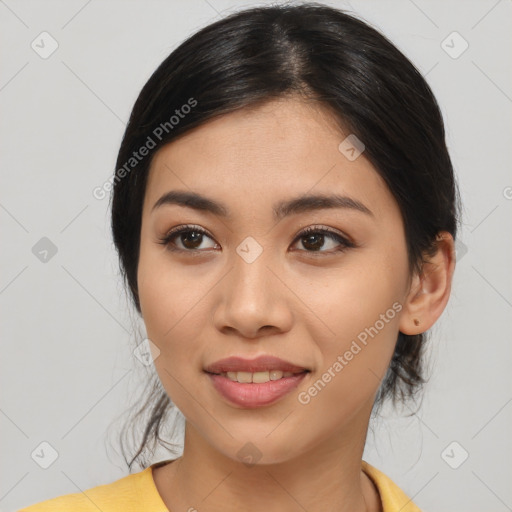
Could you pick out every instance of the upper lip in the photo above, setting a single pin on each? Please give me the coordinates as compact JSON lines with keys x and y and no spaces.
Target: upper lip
{"x":260,"y":364}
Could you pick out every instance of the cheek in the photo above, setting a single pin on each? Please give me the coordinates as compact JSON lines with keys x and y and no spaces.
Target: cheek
{"x":357,"y":317}
{"x":355,"y":358}
{"x":174,"y":315}
{"x":172,"y":303}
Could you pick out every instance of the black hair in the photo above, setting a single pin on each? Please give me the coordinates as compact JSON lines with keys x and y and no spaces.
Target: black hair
{"x":317,"y":53}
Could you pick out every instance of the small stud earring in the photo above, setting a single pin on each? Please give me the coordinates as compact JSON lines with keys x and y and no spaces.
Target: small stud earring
{"x":416,"y":322}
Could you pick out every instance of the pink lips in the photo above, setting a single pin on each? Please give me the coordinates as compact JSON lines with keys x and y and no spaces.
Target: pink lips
{"x":260,"y":364}
{"x":255,"y":395}
{"x":252,"y":395}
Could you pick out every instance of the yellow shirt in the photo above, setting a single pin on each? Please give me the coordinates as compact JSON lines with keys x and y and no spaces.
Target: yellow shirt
{"x":138,"y":493}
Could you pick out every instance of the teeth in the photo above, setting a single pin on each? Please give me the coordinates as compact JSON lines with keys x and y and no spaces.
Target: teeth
{"x":256,"y":377}
{"x":260,"y":377}
{"x":244,"y":377}
{"x":275,"y":374}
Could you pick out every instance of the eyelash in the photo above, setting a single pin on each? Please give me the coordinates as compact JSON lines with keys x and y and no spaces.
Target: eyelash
{"x":344,"y":242}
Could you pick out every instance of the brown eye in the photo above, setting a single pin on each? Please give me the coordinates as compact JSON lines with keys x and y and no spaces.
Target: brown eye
{"x":313,"y":242}
{"x":322,"y":240}
{"x":187,"y":239}
{"x":191,"y":239}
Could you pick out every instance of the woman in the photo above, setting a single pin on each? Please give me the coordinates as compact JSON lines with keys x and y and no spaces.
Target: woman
{"x":284,"y":209}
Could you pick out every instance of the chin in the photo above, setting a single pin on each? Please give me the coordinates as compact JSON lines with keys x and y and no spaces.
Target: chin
{"x":258,"y":451}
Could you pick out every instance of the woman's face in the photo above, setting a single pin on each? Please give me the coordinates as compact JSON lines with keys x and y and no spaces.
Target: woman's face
{"x":255,"y":285}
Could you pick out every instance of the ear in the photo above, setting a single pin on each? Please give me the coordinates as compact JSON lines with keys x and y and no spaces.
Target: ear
{"x":430,"y":289}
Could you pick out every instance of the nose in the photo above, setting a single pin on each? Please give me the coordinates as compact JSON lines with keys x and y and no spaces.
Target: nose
{"x":253,"y":301}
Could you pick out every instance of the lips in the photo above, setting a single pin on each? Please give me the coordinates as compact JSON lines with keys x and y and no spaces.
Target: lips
{"x":259,"y":382}
{"x":265,"y":363}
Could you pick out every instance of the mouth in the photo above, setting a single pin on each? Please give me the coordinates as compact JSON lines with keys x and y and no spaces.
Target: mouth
{"x":262,"y":364}
{"x":257,"y":377}
{"x":257,"y":382}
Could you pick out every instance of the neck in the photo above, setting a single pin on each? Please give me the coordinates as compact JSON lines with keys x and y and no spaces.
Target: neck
{"x":328,"y":477}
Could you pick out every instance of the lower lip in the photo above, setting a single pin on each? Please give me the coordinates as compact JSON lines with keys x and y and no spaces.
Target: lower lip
{"x":251,"y":395}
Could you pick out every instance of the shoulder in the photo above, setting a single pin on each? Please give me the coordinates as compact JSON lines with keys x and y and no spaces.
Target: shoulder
{"x":392,"y":497}
{"x":125,"y":494}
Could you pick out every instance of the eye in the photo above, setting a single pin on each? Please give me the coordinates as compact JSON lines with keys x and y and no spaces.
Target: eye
{"x":187,"y":239}
{"x":315,"y":239}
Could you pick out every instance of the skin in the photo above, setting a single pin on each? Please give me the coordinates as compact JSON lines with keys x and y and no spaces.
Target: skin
{"x":292,"y":302}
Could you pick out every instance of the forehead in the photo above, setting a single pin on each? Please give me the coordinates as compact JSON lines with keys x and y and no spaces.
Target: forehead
{"x":256,"y":155}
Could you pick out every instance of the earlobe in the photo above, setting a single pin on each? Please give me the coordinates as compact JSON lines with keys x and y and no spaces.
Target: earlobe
{"x":430,"y":289}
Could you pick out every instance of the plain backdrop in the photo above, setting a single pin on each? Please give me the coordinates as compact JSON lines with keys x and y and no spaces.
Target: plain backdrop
{"x":67,"y":363}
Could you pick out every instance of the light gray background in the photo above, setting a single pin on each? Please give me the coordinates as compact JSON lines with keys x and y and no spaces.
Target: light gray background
{"x":67,"y":368}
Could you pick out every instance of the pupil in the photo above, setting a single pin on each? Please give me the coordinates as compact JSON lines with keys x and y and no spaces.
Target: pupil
{"x":191,"y":238}
{"x":316,"y":241}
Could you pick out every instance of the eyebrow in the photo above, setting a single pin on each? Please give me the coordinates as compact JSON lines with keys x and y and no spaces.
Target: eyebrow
{"x":301,"y":204}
